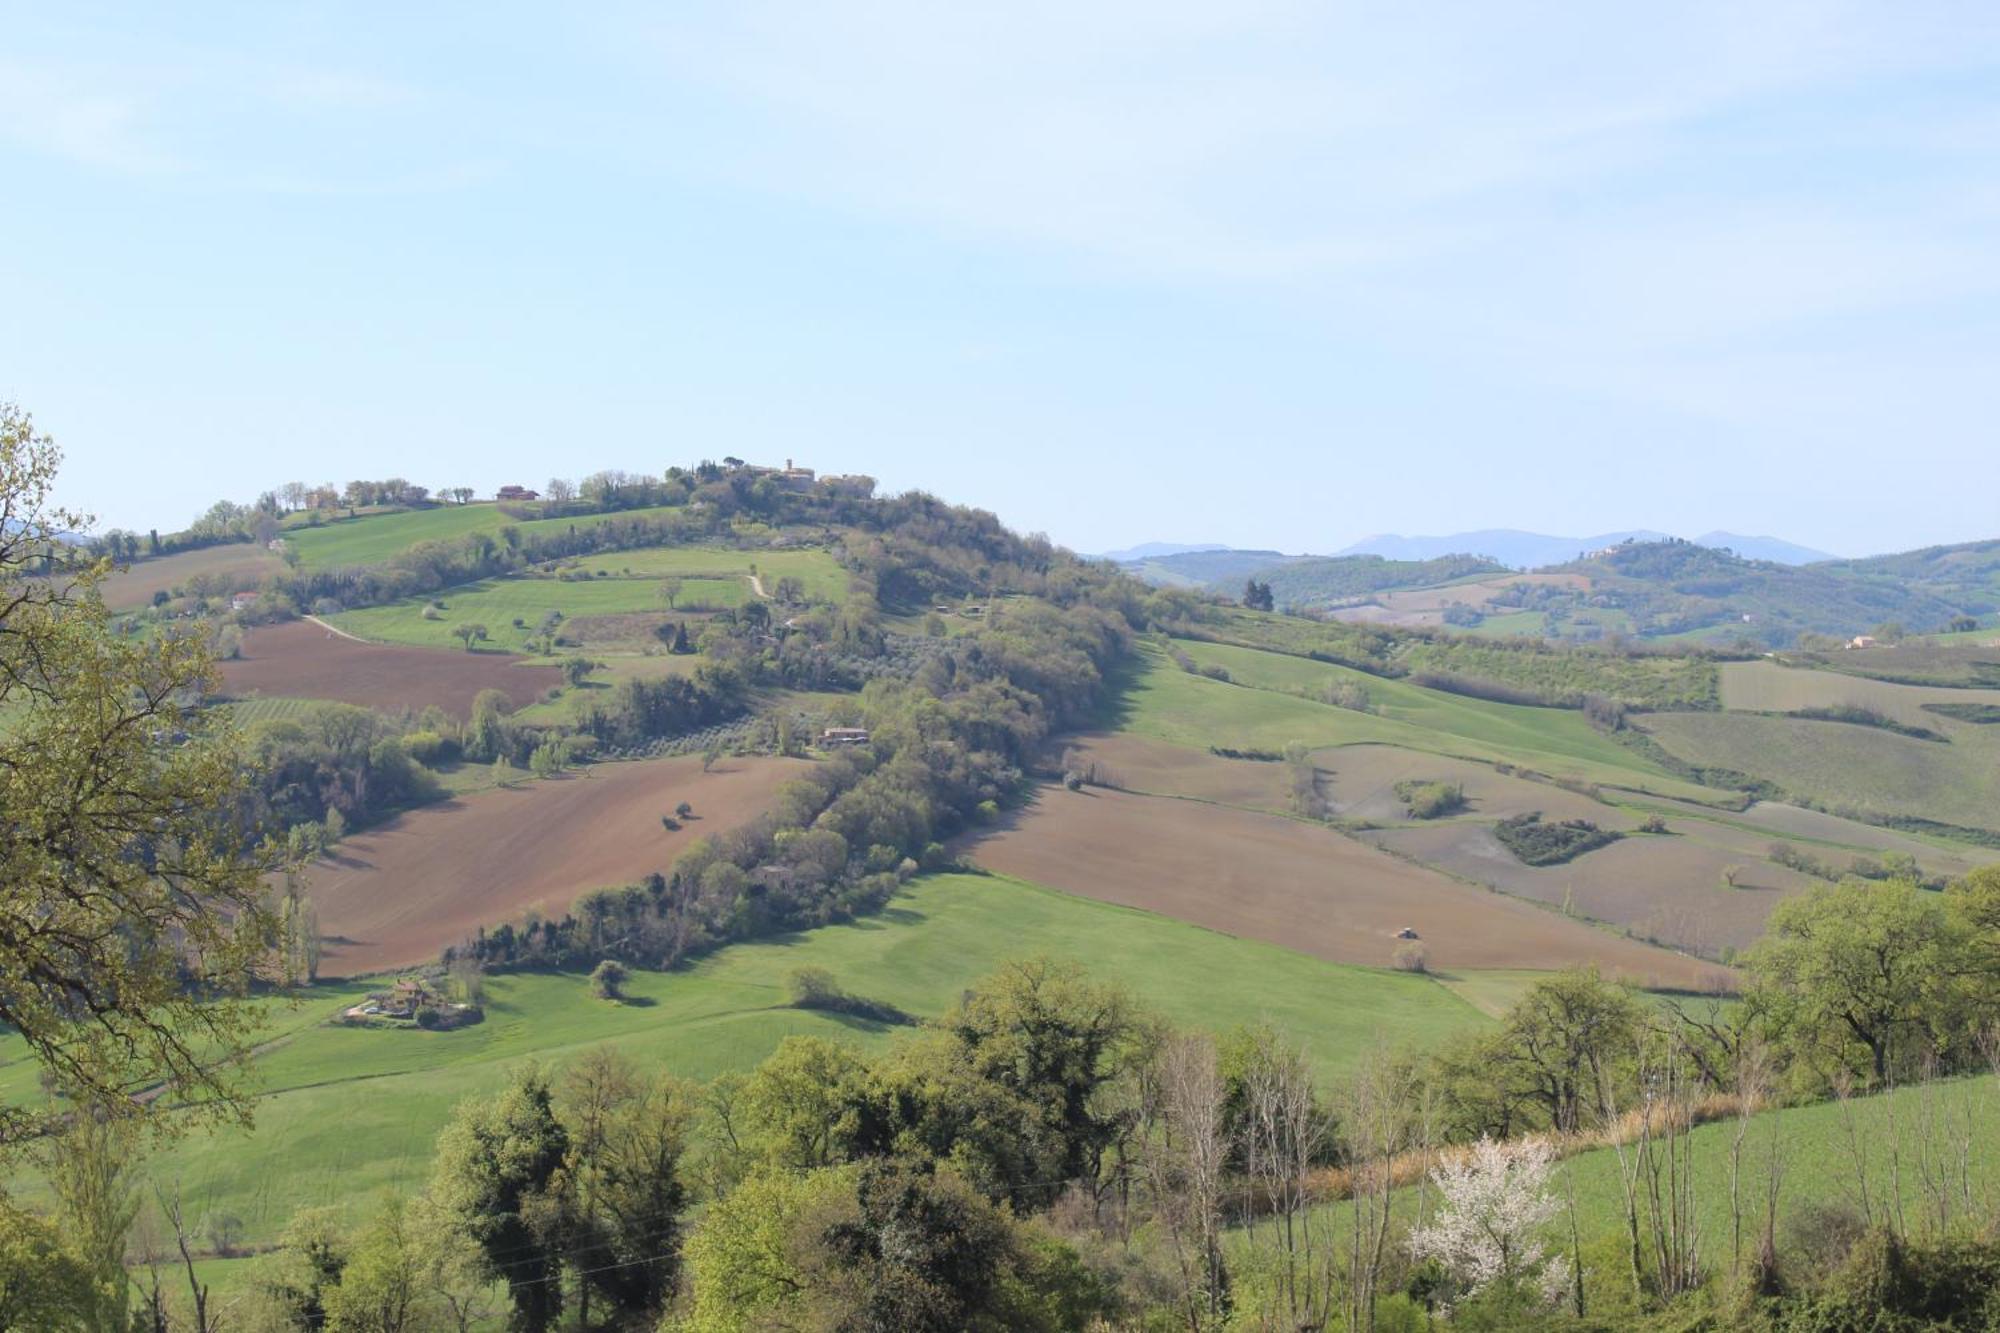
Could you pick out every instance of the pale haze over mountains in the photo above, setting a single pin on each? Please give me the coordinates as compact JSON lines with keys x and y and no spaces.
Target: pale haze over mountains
{"x":1509,"y":546}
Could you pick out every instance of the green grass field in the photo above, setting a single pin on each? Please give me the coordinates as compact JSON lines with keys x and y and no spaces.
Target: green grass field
{"x":247,"y":711}
{"x":823,"y":579}
{"x":1258,"y":711}
{"x":497,"y":603}
{"x":1850,"y":768}
{"x":710,"y":577}
{"x":371,"y":539}
{"x":1818,"y":1163}
{"x":345,"y":1113}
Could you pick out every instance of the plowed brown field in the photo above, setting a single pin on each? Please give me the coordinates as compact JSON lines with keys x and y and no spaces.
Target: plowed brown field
{"x":397,"y":895}
{"x":1294,"y":884}
{"x":301,"y":660}
{"x":1139,"y":764}
{"x":239,"y":562}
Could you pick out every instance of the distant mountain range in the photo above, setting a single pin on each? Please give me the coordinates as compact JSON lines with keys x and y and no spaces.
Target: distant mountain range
{"x":1725,"y":586}
{"x":1154,"y":550}
{"x":1535,"y":550}
{"x":1204,"y":562}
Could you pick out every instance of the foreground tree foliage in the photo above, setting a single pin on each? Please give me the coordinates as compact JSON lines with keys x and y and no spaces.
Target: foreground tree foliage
{"x":135,"y":913}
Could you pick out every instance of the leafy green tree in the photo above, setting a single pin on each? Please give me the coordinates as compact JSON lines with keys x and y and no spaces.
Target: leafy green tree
{"x":312,"y":1258}
{"x":495,"y":1179}
{"x":748,"y":1271}
{"x":1564,"y":1038}
{"x":1046,"y":1032}
{"x":803,"y":1103}
{"x":1861,"y":973}
{"x":628,"y":1141}
{"x":468,"y":634}
{"x":577,"y":669}
{"x":42,"y":1284}
{"x":489,"y":736}
{"x":382,"y":1288}
{"x":130,"y":895}
{"x":546,"y":759}
{"x":607,"y":980}
{"x":92,"y":1171}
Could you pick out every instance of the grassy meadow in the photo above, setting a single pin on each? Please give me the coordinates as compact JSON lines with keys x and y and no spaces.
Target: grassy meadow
{"x":1817,"y":1147}
{"x":370,"y":539}
{"x":629,"y":585}
{"x":343,"y":1113}
{"x":1258,"y":709}
{"x":1867,"y":770}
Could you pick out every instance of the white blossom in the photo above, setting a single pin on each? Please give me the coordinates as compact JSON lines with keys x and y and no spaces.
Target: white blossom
{"x":1487,"y":1229}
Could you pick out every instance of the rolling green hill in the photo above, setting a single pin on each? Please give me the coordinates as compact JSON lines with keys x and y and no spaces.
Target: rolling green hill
{"x":1280,"y":699}
{"x":345,"y":1112}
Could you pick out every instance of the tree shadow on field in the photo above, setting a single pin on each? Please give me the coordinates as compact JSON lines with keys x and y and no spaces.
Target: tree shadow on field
{"x":1114,"y":709}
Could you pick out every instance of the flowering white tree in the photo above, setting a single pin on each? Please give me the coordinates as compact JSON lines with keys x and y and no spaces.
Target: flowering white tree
{"x":1496,"y":1201}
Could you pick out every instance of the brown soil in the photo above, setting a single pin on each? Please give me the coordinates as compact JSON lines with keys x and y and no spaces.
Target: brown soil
{"x":1664,"y":888}
{"x":1426,"y":606}
{"x":1136,"y":764}
{"x":1297,"y":885}
{"x":395,"y":896}
{"x":241,"y":563}
{"x":1361,"y":780}
{"x":301,"y":660}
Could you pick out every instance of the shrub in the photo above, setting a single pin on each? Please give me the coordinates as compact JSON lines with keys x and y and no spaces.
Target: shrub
{"x":1411,"y":956}
{"x":1653,"y":824}
{"x":1349,"y":694}
{"x":816,"y":988}
{"x":607,"y":980}
{"x":1215,"y":672}
{"x":1431,"y":800}
{"x":1542,"y":844}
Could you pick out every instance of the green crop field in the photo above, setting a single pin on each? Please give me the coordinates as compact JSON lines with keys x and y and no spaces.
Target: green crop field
{"x":1850,"y":768}
{"x":823,"y":579}
{"x":371,"y":539}
{"x":1767,"y":687}
{"x":710,"y":578}
{"x":497,"y":603}
{"x":346,"y":1112}
{"x":247,"y":711}
{"x":1261,"y":712}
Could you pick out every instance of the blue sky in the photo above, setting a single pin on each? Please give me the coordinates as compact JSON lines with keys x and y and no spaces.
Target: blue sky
{"x":1265,"y":273}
